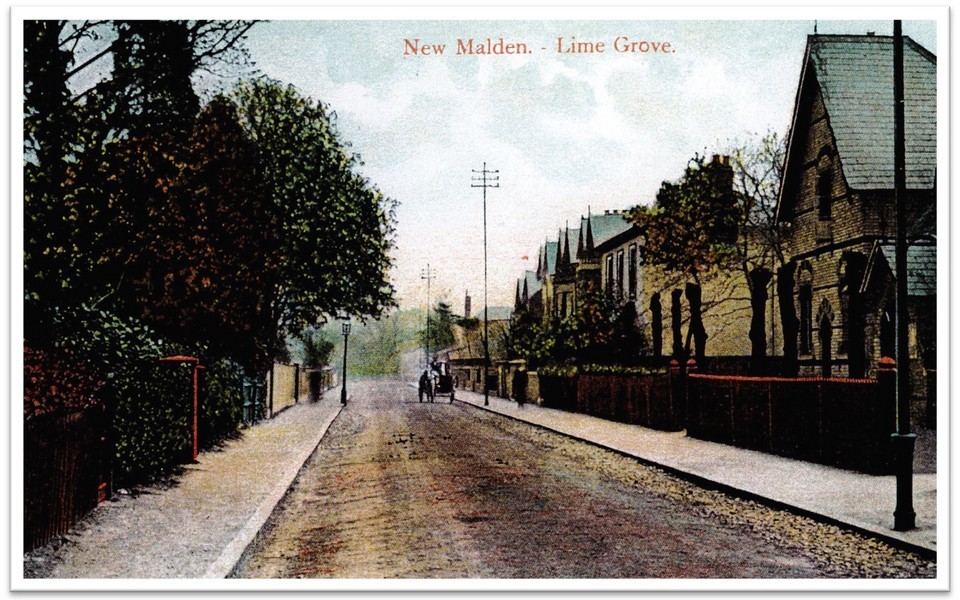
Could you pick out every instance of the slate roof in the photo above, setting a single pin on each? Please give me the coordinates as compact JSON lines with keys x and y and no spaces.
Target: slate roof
{"x":533,"y":284}
{"x":496,"y":313}
{"x":606,"y":226}
{"x":551,"y":251}
{"x":855,"y":74}
{"x":921,"y":266}
{"x":574,"y":240}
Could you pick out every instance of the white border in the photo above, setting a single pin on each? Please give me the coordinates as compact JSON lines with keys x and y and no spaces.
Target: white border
{"x":757,"y":11}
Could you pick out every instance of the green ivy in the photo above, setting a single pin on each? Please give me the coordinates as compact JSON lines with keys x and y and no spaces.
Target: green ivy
{"x":558,"y":371}
{"x":618,"y":370}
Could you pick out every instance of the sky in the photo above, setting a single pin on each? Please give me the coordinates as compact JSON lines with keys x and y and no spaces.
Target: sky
{"x":566,"y":131}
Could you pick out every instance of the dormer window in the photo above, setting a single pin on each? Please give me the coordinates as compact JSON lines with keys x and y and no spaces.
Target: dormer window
{"x":825,"y":195}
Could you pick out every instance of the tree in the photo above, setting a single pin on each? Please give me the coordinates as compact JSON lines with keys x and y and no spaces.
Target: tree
{"x":693,"y":225}
{"x":523,"y":333}
{"x":198,"y":254}
{"x":78,"y":147}
{"x":317,"y":347}
{"x":692,"y":229}
{"x":441,"y":321}
{"x":597,"y":317}
{"x":334,"y":229}
{"x":758,"y":170}
{"x":48,"y":123}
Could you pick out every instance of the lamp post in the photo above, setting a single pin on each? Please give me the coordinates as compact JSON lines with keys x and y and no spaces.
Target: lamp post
{"x":904,"y":516}
{"x":343,"y":390}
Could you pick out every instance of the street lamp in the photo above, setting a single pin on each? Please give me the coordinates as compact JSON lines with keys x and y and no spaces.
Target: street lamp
{"x":346,"y":336}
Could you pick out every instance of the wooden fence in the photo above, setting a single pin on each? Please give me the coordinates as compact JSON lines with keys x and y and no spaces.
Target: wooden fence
{"x":840,"y":422}
{"x":289,"y":384}
{"x":65,"y":468}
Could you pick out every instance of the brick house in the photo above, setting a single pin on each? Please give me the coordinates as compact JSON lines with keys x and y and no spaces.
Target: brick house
{"x":837,"y":207}
{"x":564,"y":264}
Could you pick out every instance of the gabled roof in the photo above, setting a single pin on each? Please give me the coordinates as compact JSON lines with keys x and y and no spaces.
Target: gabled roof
{"x":921,"y":266}
{"x":854,"y":75}
{"x":574,"y":235}
{"x":608,"y":225}
{"x":533,"y":284}
{"x":550,"y":249}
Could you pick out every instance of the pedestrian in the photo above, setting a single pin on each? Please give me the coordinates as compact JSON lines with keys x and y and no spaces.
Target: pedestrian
{"x":520,"y":385}
{"x":424,"y":382}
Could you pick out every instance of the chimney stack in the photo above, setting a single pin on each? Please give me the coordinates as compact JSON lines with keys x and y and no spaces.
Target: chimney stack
{"x":466,"y":305}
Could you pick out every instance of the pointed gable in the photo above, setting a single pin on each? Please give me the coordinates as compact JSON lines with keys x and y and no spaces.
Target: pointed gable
{"x":853,"y":77}
{"x":550,"y":257}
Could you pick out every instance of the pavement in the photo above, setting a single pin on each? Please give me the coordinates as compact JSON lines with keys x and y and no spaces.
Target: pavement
{"x":853,"y":500}
{"x":200,"y":526}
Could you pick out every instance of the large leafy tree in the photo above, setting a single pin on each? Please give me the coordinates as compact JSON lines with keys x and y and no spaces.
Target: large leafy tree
{"x":334,"y":229}
{"x":197,"y":255}
{"x":694,"y":223}
{"x":692,"y":230}
{"x":80,"y":141}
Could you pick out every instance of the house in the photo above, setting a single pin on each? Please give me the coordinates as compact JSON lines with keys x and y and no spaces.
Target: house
{"x":466,"y":356}
{"x":837,"y":205}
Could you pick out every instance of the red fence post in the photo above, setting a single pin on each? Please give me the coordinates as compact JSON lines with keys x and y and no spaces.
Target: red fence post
{"x":676,"y":392}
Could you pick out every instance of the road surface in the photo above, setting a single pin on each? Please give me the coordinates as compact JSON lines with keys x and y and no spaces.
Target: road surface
{"x":403,"y":489}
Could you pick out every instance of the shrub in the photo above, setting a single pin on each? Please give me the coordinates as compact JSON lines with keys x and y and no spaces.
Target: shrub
{"x":151,"y":422}
{"x":149,"y":401}
{"x":221,"y":401}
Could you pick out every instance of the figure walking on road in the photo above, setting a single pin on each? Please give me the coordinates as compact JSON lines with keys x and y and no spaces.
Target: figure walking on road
{"x":520,"y":386}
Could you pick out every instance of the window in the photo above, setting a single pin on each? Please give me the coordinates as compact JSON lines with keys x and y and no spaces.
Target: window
{"x":620,"y":273}
{"x":633,"y":271}
{"x":825,"y":195}
{"x":609,"y":273}
{"x":806,"y":319}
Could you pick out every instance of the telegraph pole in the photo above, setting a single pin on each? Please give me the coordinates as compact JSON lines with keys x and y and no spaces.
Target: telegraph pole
{"x":428,"y":275}
{"x":904,"y":517}
{"x":486,"y":179}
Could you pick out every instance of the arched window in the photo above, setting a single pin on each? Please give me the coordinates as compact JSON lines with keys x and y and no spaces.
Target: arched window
{"x":610,"y":274}
{"x":825,"y":194}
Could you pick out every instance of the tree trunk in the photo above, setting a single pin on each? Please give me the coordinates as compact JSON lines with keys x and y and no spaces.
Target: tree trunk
{"x":694,"y":298}
{"x":759,"y":280}
{"x":657,"y":312}
{"x":675,"y":323}
{"x":856,"y":264}
{"x":788,"y":318}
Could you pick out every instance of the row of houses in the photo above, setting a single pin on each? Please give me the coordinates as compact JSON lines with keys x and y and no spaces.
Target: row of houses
{"x":830,"y":300}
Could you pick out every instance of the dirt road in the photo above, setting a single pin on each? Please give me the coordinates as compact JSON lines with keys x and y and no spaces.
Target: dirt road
{"x":402,"y":489}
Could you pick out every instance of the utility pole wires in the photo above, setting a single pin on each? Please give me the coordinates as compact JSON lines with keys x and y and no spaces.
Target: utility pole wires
{"x":485,"y":179}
